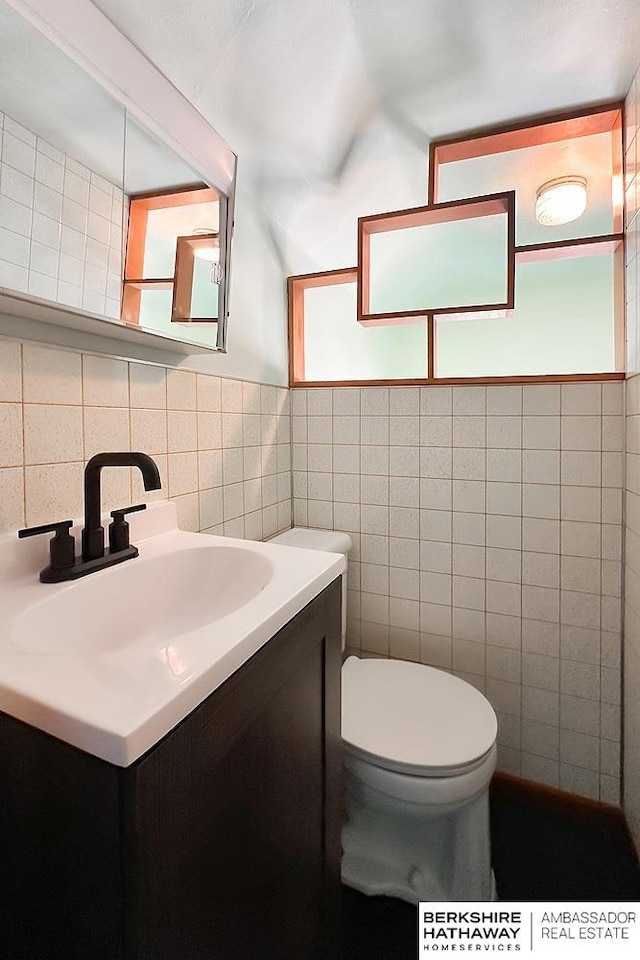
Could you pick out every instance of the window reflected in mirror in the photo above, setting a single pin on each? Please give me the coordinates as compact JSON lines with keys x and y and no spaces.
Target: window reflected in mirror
{"x":172,"y":266}
{"x":176,"y":244}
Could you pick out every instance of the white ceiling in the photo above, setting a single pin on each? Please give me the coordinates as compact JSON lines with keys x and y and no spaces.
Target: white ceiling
{"x":330,"y":103}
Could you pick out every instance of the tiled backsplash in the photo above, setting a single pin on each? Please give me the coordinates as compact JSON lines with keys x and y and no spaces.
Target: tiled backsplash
{"x":632,"y":495}
{"x":222,"y":446}
{"x":60,"y":225}
{"x":487,"y":541}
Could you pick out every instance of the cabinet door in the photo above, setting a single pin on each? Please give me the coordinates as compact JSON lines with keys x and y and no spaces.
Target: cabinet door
{"x":60,"y":863}
{"x":233,"y":820}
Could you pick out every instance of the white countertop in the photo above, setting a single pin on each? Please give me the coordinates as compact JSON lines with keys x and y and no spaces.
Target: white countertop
{"x":97,"y":665}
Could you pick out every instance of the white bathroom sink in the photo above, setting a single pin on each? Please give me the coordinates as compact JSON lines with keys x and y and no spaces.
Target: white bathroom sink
{"x":154,"y":599}
{"x":112,"y":662}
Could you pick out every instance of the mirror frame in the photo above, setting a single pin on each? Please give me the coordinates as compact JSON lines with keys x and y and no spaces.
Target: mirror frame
{"x":91,"y":40}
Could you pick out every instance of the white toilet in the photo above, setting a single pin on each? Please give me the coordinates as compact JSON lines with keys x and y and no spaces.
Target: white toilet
{"x":419,"y":753}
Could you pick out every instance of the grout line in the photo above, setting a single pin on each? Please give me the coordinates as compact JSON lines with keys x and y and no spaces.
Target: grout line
{"x":23,"y":465}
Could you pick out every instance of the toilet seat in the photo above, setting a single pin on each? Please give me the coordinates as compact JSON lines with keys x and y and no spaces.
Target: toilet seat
{"x":437,"y":792}
{"x":412,"y":719}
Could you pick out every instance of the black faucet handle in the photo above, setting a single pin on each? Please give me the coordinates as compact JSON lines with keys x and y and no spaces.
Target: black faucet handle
{"x":119,"y":529}
{"x":62,"y":547}
{"x":118,"y":515}
{"x":56,"y":528}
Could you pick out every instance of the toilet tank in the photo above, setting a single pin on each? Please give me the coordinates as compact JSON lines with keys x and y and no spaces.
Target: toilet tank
{"x":331,"y":541}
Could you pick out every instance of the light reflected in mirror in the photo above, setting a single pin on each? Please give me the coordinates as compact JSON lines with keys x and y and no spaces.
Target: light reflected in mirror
{"x":61,"y":175}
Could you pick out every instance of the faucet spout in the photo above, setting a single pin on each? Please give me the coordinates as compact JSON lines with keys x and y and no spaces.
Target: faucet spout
{"x":93,"y":533}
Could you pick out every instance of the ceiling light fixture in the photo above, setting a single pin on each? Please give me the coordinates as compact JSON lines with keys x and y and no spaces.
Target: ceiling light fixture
{"x":561,"y":201}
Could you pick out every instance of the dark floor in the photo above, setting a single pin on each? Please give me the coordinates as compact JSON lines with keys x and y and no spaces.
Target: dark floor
{"x":547,"y":845}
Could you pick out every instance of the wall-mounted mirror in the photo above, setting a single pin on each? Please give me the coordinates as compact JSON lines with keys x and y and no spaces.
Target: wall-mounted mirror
{"x":175,"y":243}
{"x":98,"y":216}
{"x":61,"y":175}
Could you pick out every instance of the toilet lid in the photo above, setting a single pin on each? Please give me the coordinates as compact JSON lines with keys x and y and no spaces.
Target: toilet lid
{"x":413,"y":718}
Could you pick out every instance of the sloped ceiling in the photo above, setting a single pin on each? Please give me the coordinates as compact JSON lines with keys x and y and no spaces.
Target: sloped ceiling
{"x":330,"y":104}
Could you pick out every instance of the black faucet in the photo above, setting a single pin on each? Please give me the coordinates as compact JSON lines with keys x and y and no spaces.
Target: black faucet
{"x":93,"y":533}
{"x":64,"y":564}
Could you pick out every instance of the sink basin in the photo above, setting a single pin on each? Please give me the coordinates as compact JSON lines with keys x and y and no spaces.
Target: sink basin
{"x":112,"y":662}
{"x":199,"y":586}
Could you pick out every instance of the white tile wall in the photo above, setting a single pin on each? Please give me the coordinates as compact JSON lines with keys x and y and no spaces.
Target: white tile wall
{"x":487,"y":541}
{"x":61,"y":225}
{"x":632,"y":493}
{"x":58,"y":408}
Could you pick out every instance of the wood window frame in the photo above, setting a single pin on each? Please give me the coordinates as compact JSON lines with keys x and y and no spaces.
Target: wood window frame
{"x":139,"y":206}
{"x":186,"y":248}
{"x":600,"y":118}
{"x":296,"y":287}
{"x":434,"y":213}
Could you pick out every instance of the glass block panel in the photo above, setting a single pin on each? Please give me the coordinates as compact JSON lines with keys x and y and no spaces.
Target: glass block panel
{"x":526,"y":169}
{"x":457,"y":264}
{"x":337,"y":347}
{"x":563,"y":323}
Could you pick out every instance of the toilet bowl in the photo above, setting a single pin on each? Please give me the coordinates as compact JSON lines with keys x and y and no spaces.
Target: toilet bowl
{"x":419,"y":751}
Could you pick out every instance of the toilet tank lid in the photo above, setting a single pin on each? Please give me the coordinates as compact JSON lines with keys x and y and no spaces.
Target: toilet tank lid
{"x":331,"y":541}
{"x":414,"y":718}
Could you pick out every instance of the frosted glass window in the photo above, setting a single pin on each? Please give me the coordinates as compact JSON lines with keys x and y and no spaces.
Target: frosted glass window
{"x":526,"y":169}
{"x":462,"y":263}
{"x":563,"y":322}
{"x":337,"y":347}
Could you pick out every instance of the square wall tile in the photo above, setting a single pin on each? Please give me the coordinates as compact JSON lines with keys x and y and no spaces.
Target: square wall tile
{"x":105,"y":382}
{"x":541,"y":466}
{"x":11,"y":435}
{"x":541,"y":433}
{"x":148,"y":386}
{"x":183,"y":473}
{"x":208,"y":394}
{"x":436,"y":401}
{"x":52,"y":433}
{"x":181,"y":390}
{"x":10,"y":371}
{"x":581,"y":399}
{"x":232,"y":396}
{"x":105,"y":428}
{"x":53,"y":491}
{"x":469,"y":401}
{"x":12,"y":514}
{"x":504,"y":401}
{"x":51,"y":376}
{"x":182,"y":431}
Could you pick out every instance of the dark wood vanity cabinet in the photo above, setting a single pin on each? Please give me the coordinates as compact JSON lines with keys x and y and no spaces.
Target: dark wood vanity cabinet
{"x":220,"y":843}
